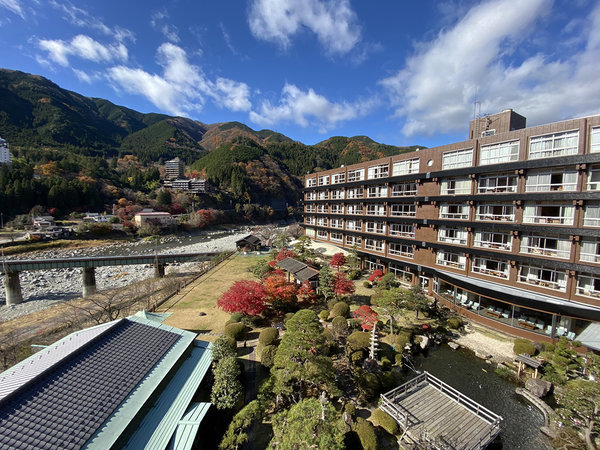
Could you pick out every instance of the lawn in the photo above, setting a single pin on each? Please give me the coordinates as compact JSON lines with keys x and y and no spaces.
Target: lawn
{"x":202,"y":295}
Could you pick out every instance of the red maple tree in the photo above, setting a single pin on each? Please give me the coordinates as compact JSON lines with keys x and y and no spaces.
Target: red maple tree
{"x":284,"y":253}
{"x":337,"y":261}
{"x":277,"y":287}
{"x":342,"y":285}
{"x":247,"y":297}
{"x":366,"y":317}
{"x":306,"y":293}
{"x":376,"y":275}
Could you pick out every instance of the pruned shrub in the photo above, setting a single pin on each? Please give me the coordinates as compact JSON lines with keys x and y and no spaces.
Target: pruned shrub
{"x":523,"y":346}
{"x":340,"y":309}
{"x":367,"y":284}
{"x":401,"y":340}
{"x":236,"y":317}
{"x":267,"y":356}
{"x":350,"y":409}
{"x":237,"y":331}
{"x":339,"y":326}
{"x":354,"y":274}
{"x":359,"y":340}
{"x":366,"y":434}
{"x":324,"y":315}
{"x":454,"y":323}
{"x":268,"y":336}
{"x":385,"y":421}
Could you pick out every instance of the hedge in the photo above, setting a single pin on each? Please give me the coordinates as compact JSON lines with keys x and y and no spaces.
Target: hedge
{"x":236,"y":330}
{"x":267,"y":356}
{"x":340,"y":309}
{"x":385,"y":421}
{"x":366,"y":434}
{"x":268,"y":336}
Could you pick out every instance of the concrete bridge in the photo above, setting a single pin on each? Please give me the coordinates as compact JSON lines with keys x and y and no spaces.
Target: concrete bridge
{"x":12,"y":268}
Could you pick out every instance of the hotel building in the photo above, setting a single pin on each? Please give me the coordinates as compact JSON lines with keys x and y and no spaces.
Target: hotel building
{"x":503,"y":227}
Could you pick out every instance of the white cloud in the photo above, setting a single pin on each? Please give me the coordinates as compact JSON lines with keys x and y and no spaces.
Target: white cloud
{"x":436,"y":89}
{"x":82,"y":76}
{"x":182,"y":88}
{"x":84,"y":47}
{"x":171,"y":32}
{"x":13,"y":6}
{"x":308,"y":108}
{"x":333,"y":21}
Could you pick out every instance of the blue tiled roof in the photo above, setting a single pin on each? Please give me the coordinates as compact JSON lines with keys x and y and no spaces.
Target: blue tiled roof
{"x":65,"y":405}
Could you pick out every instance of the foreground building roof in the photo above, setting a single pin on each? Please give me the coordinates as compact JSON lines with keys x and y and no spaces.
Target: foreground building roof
{"x":96,"y":388}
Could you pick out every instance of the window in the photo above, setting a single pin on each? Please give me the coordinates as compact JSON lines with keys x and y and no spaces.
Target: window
{"x":354,"y":225}
{"x":406,"y":167}
{"x":451,"y":259}
{"x":312,"y":195}
{"x":310,"y":208}
{"x":590,"y":250}
{"x":492,"y":267}
{"x":402,"y":273}
{"x":353,"y":240}
{"x":322,"y":221}
{"x":499,"y":153}
{"x":503,"y":182}
{"x":337,"y":209}
{"x":497,"y":212}
{"x":493,"y":239}
{"x":311,"y":182}
{"x":595,"y":140}
{"x":379,"y":171}
{"x":355,"y":193}
{"x":557,"y":144}
{"x":555,"y":180}
{"x":337,"y":223}
{"x":355,"y":209}
{"x":403,"y":209}
{"x":455,"y":186}
{"x":543,"y":245}
{"x":543,"y":277}
{"x":323,"y":195}
{"x":593,"y":181}
{"x":549,"y":214}
{"x":310,"y":232}
{"x":588,"y":285}
{"x":322,"y":209}
{"x":374,"y":244}
{"x":397,"y":229}
{"x":406,"y":251}
{"x":322,"y":234}
{"x":453,"y":235}
{"x":310,"y":220}
{"x":336,"y":237}
{"x":377,"y":191}
{"x":375,"y":227}
{"x":375,"y":209}
{"x":372,"y":265}
{"x":337,"y":178}
{"x":591,"y":217}
{"x":457,"y":158}
{"x":337,"y":194}
{"x":323,"y":180}
{"x":356,"y":175}
{"x":402,"y":189}
{"x":454,"y":211}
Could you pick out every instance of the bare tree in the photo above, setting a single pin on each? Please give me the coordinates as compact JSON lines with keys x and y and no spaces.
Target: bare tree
{"x":104,"y":306}
{"x":266,"y":234}
{"x":295,"y":230}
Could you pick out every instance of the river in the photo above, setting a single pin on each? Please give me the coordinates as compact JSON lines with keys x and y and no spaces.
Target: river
{"x":472,"y":376}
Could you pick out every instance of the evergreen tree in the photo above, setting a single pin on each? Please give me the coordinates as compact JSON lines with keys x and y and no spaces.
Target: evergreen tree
{"x":227,"y":389}
{"x":237,"y":432}
{"x":326,"y":282}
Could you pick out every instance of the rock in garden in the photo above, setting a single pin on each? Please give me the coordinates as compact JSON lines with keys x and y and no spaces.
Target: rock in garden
{"x":482,"y":354}
{"x":539,"y":388}
{"x":453,"y":345}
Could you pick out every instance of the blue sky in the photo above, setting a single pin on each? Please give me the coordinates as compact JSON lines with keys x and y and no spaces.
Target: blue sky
{"x":401,"y":72}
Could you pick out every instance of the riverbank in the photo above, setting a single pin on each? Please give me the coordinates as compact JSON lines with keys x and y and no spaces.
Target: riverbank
{"x":42,"y":289}
{"x":486,"y":341}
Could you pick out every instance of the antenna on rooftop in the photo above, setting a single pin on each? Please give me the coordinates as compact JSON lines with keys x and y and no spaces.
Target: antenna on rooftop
{"x":476,"y":116}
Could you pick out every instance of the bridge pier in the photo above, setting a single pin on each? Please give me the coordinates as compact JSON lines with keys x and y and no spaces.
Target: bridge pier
{"x":89,"y":281}
{"x":14,"y":296}
{"x":159,"y":270}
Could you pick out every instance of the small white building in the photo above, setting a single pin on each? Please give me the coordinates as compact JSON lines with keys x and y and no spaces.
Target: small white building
{"x":5,"y":156}
{"x":43,"y":222}
{"x":162,"y":219}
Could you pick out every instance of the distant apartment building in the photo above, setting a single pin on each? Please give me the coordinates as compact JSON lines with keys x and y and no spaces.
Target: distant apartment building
{"x":161,"y":219}
{"x":503,"y":227}
{"x":193,"y":186}
{"x":174,"y":169}
{"x":5,"y":156}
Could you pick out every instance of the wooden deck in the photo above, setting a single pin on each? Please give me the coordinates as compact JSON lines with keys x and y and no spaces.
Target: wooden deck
{"x":430,"y":411}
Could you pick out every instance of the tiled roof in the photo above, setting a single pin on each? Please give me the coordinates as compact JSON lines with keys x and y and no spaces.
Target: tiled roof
{"x":66,"y":406}
{"x":291,"y":265}
{"x":251,"y":239}
{"x":306,"y":274}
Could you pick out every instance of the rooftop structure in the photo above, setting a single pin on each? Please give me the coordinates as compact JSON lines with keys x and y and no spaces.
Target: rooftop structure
{"x":503,"y":227}
{"x":174,"y":169}
{"x":100,"y":387}
{"x":298,"y":271}
{"x":5,"y":156}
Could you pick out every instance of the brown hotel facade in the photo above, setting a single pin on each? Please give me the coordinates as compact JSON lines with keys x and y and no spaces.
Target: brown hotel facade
{"x":504,"y":227}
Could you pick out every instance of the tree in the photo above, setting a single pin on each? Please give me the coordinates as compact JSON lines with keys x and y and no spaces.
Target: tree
{"x":342,"y":285}
{"x":282,"y":240}
{"x":306,"y":293}
{"x":308,"y":424}
{"x":337,"y":261}
{"x":279,"y":290}
{"x":164,"y":198}
{"x":303,"y":249}
{"x":247,"y":297}
{"x":284,"y":253}
{"x":376,"y":276}
{"x":579,"y":404}
{"x":227,"y":389}
{"x":300,"y":369}
{"x":353,"y":260}
{"x":326,"y":282}
{"x":416,"y":299}
{"x":222,"y":348}
{"x":237,"y":432}
{"x":366,"y":316}
{"x":391,"y":302}
{"x":260,"y":269}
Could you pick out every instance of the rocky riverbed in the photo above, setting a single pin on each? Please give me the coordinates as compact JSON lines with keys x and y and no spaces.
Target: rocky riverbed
{"x":41,"y":289}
